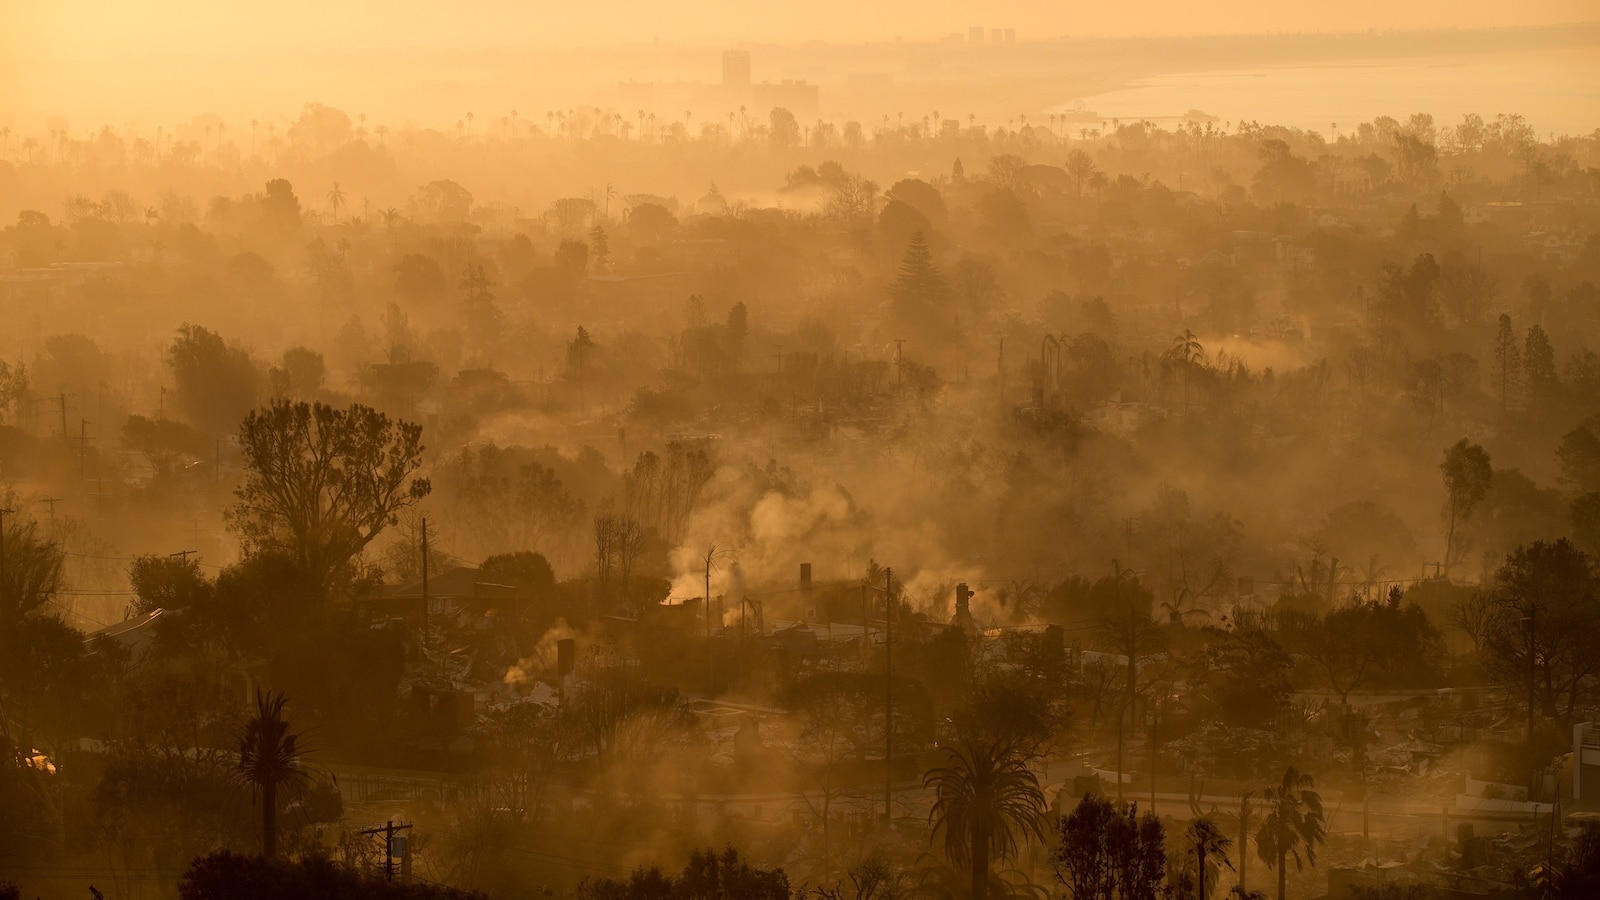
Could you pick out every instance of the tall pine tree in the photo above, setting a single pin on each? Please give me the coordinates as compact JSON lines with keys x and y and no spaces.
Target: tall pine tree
{"x":920,"y":280}
{"x":1539,"y":368}
{"x":1507,"y":364}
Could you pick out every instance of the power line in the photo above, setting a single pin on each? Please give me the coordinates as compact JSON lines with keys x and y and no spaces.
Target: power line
{"x":133,"y":558}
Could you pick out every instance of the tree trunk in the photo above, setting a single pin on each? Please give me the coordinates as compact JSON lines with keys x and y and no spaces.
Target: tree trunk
{"x":1200,"y":879}
{"x":1283,"y":873}
{"x":980,"y":863}
{"x":269,"y":819}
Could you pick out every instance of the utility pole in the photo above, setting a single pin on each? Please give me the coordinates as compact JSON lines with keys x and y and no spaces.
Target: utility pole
{"x":424,"y":588}
{"x":3,"y":513}
{"x":1155,"y":712}
{"x":64,"y":433}
{"x":387,"y":830}
{"x":866,"y":632}
{"x":1533,"y":638}
{"x":52,"y":501}
{"x":1000,"y":368}
{"x":182,"y":554}
{"x":1533,"y":678}
{"x":899,"y":361}
{"x":888,"y":692}
{"x":83,"y":448}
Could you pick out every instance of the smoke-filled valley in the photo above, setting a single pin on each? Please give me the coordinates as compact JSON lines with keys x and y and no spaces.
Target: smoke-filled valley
{"x":744,"y":501}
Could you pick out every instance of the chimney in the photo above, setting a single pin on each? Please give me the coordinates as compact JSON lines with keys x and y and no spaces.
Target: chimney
{"x":805,"y":576}
{"x":963,"y":617}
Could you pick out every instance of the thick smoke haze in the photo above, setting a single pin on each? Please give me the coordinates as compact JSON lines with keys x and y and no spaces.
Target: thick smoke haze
{"x":933,"y":451}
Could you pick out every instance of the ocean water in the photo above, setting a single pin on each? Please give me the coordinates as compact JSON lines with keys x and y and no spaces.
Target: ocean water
{"x":1557,"y":92}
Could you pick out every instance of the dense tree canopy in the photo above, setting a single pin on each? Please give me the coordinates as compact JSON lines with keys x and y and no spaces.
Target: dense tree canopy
{"x":323,"y":482}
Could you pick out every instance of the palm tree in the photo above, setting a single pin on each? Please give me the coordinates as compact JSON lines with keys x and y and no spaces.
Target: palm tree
{"x":986,"y":800}
{"x":1207,"y":841}
{"x":270,"y":755}
{"x":1099,"y":181}
{"x":336,"y":198}
{"x":1244,"y":835}
{"x":1187,"y":347}
{"x":1180,"y":608}
{"x":1294,"y":821}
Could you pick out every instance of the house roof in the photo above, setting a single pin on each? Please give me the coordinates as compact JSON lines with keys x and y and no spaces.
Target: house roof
{"x":457,"y":582}
{"x":133,"y":634}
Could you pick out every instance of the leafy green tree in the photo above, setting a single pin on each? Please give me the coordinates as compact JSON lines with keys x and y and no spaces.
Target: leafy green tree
{"x":784,"y":130}
{"x":30,"y":565}
{"x":1369,"y":643}
{"x":1080,"y":165}
{"x":443,"y":201}
{"x":1138,"y":852}
{"x":920,"y":196}
{"x":1294,"y":824}
{"x":1244,"y":679}
{"x":1410,"y":296}
{"x":162,"y":442}
{"x":280,"y":207}
{"x":216,"y":384}
{"x":419,"y":279}
{"x":270,"y":755}
{"x":649,"y":222}
{"x":1106,"y":851}
{"x":478,"y":309}
{"x":301,"y":373}
{"x":46,"y":677}
{"x":1282,"y":176}
{"x":1539,"y":619}
{"x":321,"y":483}
{"x":1467,"y":476}
{"x":1083,"y":858}
{"x":528,"y":573}
{"x":708,"y":876}
{"x":167,"y":582}
{"x":1579,"y":456}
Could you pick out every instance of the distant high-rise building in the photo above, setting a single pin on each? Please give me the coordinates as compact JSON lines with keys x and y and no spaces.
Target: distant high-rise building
{"x":736,"y":70}
{"x":997,"y":36}
{"x":797,"y":97}
{"x":1011,"y":35}
{"x":975,"y":34}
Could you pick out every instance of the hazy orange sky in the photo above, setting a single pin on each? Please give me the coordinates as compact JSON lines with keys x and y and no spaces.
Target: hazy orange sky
{"x":101,"y":26}
{"x":101,"y":61}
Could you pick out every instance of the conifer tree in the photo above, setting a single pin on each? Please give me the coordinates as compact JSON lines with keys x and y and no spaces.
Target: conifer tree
{"x":920,"y":283}
{"x":1539,"y":367}
{"x":1507,"y":364}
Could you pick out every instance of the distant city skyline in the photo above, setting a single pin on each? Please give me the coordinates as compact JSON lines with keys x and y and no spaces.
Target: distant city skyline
{"x":97,"y":27}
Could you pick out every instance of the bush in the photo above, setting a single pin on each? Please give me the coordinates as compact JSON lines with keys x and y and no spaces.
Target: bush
{"x":231,"y":876}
